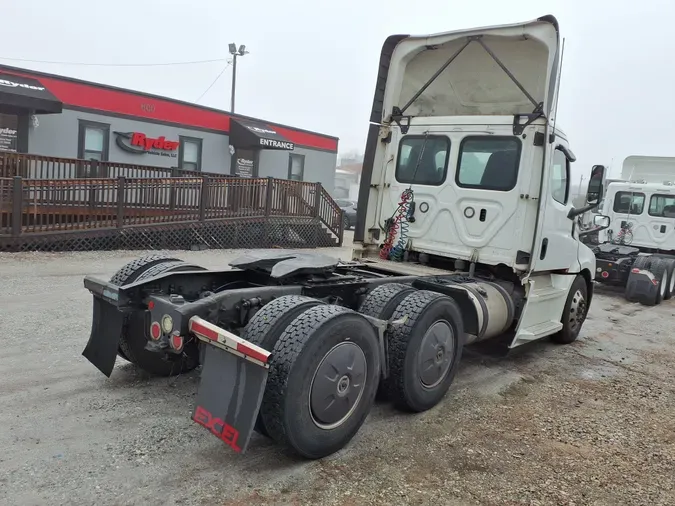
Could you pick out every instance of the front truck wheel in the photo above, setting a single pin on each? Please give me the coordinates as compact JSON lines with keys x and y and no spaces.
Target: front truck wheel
{"x":267,"y":325}
{"x":574,"y":312}
{"x":425,"y":351}
{"x":323,"y":377}
{"x":133,"y":338}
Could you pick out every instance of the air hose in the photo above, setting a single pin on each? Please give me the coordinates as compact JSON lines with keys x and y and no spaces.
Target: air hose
{"x":399,"y":222}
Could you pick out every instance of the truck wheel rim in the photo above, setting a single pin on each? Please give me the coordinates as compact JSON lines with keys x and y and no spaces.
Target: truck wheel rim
{"x":437,"y":352}
{"x":337,"y":385}
{"x":664,"y":283}
{"x":672,"y":283}
{"x":577,"y":310}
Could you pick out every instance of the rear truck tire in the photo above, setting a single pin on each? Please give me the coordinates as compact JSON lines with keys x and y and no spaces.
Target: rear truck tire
{"x":425,"y":351}
{"x":574,"y":312}
{"x":267,"y":325}
{"x":133,"y":338}
{"x":130,"y":272}
{"x":659,"y":268}
{"x":670,"y":267}
{"x":322,"y":381}
{"x":381,"y":303}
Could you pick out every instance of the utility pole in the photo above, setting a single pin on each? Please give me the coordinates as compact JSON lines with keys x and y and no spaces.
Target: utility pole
{"x":235,"y":52}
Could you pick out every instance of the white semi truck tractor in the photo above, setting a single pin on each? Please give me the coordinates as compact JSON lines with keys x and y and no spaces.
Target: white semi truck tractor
{"x":465,"y":233}
{"x":637,"y":251}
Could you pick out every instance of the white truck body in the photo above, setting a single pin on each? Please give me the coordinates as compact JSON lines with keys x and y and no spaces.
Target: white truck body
{"x":478,"y":147}
{"x":645,"y":199}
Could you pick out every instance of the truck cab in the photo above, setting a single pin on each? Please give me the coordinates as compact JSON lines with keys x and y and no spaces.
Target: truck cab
{"x":641,"y":205}
{"x":466,"y":170}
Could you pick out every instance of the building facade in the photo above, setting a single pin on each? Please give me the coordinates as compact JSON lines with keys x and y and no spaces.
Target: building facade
{"x":44,"y":114}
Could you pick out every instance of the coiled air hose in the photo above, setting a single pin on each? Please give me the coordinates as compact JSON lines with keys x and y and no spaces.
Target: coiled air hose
{"x":399,"y":222}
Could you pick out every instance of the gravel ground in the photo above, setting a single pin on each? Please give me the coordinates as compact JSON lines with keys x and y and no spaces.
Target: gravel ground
{"x":589,"y":423}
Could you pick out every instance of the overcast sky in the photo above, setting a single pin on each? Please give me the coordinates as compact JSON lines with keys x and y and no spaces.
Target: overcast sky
{"x":313,"y":64}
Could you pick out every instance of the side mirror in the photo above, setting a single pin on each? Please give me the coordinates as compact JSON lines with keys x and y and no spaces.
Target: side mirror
{"x":600,"y":222}
{"x":595,"y":189}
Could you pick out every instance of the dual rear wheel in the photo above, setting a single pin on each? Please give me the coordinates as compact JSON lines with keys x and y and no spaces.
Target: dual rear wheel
{"x":325,"y":369}
{"x":663,"y":270}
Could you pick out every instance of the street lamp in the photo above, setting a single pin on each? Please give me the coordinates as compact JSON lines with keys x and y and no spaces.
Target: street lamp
{"x":235,"y":52}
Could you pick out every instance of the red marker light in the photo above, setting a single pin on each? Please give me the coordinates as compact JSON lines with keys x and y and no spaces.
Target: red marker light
{"x":151,"y":305}
{"x":605,"y":274}
{"x":177,"y":342}
{"x":155,"y":331}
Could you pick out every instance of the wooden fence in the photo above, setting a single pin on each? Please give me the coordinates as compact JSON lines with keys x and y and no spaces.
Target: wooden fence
{"x":49,"y":167}
{"x":40,"y":197}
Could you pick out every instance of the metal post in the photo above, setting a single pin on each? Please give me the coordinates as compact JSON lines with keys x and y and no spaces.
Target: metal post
{"x":203,"y":198}
{"x":234,"y":81}
{"x":269,"y":195}
{"x":17,"y":205}
{"x":318,"y":229}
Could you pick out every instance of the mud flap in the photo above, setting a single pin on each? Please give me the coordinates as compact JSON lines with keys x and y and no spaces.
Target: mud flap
{"x":229,"y":396}
{"x":642,"y":287}
{"x":106,"y":329}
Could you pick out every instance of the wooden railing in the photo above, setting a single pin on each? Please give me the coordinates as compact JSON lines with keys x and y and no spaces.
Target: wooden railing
{"x":29,"y":206}
{"x":48,"y":167}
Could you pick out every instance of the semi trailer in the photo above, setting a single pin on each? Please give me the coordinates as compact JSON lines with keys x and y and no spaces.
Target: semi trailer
{"x":465,"y":233}
{"x":637,"y":251}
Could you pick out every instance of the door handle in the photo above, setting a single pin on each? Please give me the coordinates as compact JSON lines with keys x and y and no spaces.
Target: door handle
{"x":544,"y":247}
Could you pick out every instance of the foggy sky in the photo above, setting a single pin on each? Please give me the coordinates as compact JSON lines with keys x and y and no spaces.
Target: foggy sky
{"x":313,"y":64}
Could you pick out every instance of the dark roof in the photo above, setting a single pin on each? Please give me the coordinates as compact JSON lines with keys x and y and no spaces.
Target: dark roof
{"x":27,"y":93}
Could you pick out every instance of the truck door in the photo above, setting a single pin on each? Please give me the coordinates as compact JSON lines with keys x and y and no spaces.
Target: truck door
{"x":661,"y":228}
{"x":558,"y":249}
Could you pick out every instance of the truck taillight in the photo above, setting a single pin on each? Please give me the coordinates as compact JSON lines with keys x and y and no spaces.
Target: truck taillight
{"x":176,"y":342}
{"x":605,"y":274}
{"x":155,"y":331}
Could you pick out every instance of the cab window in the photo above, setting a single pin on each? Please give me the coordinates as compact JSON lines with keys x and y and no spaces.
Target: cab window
{"x":488,"y":163}
{"x":662,"y":206}
{"x":423,"y":159}
{"x":629,"y":202}
{"x":560,"y":177}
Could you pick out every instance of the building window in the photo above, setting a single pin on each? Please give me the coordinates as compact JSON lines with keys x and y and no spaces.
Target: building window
{"x":662,"y":206}
{"x":296,"y":167}
{"x":430,"y":168}
{"x":190,"y":155}
{"x":560,"y":176}
{"x":629,"y":202}
{"x":93,"y":141}
{"x":488,"y":163}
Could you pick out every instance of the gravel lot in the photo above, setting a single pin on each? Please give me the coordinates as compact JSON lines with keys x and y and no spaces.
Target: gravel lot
{"x":589,"y":423}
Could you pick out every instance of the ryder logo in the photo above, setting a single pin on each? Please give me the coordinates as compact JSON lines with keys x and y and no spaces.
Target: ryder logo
{"x":218,"y":428}
{"x":139,"y":143}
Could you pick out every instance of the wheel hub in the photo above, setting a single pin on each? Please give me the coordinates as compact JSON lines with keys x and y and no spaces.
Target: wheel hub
{"x":437,"y":352}
{"x":577,"y":310}
{"x":337,"y":385}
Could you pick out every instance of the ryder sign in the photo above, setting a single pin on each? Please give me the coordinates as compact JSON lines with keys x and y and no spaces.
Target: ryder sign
{"x":138,"y":143}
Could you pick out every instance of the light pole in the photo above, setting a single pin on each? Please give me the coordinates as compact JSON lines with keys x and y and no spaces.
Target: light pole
{"x":235,"y":52}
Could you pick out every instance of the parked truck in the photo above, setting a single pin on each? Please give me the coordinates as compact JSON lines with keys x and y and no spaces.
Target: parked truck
{"x":465,"y":233}
{"x":637,"y":251}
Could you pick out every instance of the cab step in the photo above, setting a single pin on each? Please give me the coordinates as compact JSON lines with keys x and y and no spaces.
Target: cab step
{"x":535,"y":332}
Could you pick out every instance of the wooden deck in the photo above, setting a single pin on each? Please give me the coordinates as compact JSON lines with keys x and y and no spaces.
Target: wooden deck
{"x":33,"y":206}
